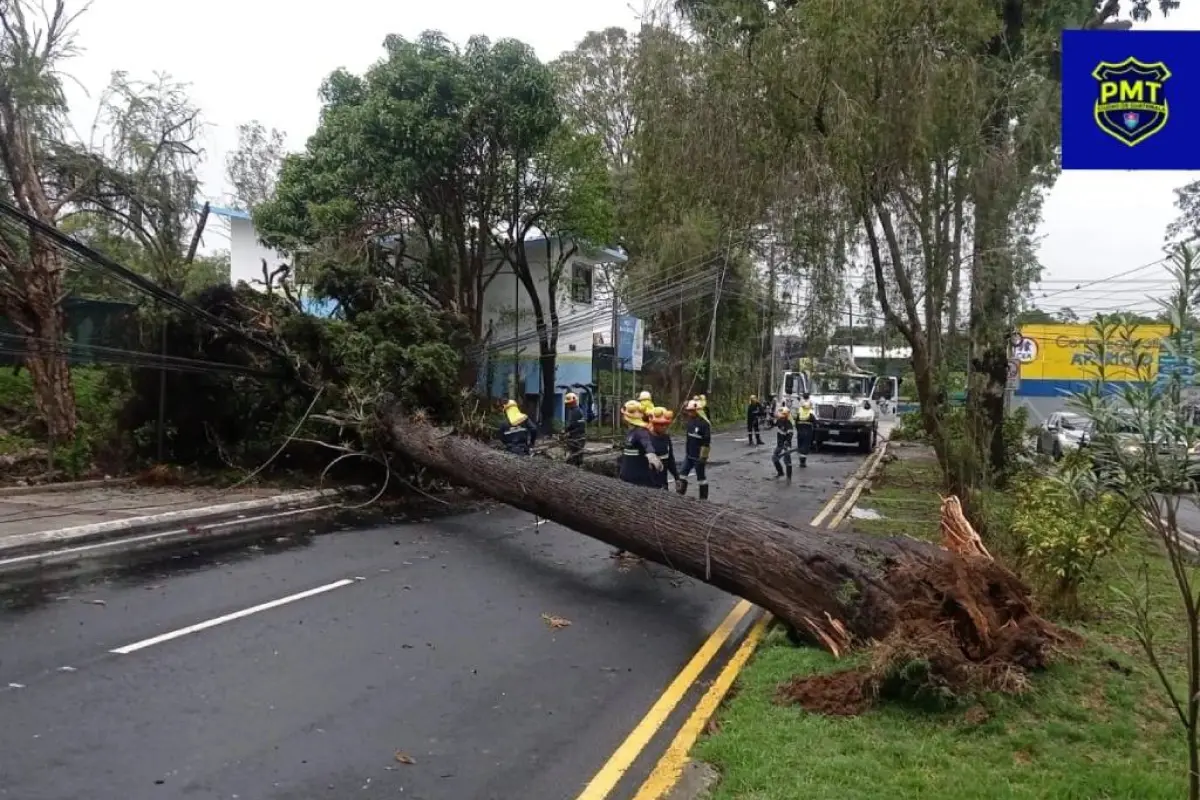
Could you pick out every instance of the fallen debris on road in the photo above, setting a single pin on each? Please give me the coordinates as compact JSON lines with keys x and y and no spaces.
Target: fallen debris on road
{"x":836,"y":588}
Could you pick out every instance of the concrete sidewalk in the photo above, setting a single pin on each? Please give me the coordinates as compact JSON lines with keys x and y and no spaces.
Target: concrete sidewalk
{"x":36,"y":511}
{"x":41,"y":528}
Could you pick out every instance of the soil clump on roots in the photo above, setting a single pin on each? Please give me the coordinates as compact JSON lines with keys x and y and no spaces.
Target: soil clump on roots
{"x":964,"y":626}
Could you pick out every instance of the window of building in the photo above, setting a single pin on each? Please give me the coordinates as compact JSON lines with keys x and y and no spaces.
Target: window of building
{"x":581,"y":284}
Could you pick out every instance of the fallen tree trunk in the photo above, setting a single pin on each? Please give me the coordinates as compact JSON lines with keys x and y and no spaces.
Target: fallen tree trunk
{"x":836,"y":587}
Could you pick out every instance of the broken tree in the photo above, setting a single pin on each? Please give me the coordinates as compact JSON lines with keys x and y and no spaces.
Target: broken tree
{"x":836,"y":587}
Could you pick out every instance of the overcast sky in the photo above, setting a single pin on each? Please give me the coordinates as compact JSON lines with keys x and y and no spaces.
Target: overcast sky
{"x":264,"y":59}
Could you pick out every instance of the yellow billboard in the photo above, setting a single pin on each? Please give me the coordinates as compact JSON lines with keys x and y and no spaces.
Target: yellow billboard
{"x":1062,"y":352}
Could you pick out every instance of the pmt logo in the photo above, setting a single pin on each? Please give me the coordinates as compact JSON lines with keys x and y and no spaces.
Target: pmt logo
{"x":1132,"y":102}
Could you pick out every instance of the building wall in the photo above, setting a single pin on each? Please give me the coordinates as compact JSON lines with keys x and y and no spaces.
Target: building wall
{"x":1058,"y":359}
{"x":509,"y":310}
{"x":246,"y":254}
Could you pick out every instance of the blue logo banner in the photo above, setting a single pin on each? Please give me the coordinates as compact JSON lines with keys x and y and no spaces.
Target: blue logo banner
{"x":1131,"y":100}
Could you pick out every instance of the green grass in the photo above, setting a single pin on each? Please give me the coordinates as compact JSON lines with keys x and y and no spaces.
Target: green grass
{"x":1096,"y":725}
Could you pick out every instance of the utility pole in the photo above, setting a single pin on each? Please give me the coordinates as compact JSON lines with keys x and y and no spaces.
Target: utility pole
{"x":771,"y":320}
{"x":712,"y":326}
{"x":850,"y":308}
{"x":612,"y":282}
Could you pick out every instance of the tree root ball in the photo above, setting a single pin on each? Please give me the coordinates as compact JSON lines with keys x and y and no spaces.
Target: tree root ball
{"x":965,"y":626}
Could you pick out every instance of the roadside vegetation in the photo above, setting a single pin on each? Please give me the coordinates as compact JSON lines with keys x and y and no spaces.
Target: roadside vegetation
{"x":1098,"y":536}
{"x":1095,"y":724}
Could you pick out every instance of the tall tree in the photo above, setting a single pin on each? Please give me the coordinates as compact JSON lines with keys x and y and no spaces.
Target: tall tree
{"x":34,"y":42}
{"x":596,"y":90}
{"x":559,"y":191}
{"x":142,"y":176}
{"x":418,"y":156}
{"x":252,"y":168}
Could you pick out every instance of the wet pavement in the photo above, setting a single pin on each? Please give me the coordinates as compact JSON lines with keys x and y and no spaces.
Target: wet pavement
{"x":427,"y":660}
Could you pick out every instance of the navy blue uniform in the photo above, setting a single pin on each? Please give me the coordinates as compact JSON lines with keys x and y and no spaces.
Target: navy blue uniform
{"x":753,"y":416}
{"x":518,"y":439}
{"x":665,"y":450}
{"x":635,"y":468}
{"x":784,"y":430}
{"x":576,"y":431}
{"x":695,"y":454}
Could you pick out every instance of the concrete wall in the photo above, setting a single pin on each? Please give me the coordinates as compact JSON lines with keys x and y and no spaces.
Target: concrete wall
{"x":246,"y":254}
{"x":508,"y":309}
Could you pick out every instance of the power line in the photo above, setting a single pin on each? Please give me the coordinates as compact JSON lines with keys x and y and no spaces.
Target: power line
{"x":67,"y":245}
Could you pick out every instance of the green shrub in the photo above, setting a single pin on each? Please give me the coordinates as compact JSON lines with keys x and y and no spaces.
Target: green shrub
{"x":1063,"y":527}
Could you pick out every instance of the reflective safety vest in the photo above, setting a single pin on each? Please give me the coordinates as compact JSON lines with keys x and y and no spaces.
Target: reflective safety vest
{"x":804,"y":412}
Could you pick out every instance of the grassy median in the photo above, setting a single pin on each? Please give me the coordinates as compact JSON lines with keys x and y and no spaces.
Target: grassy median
{"x":1095,"y":725}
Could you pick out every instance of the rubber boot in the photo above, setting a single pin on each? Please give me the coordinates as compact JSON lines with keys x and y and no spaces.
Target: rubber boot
{"x":804,"y":461}
{"x":704,"y":491}
{"x":778,"y":471}
{"x":681,"y":488}
{"x":759,"y":439}
{"x":789,"y":472}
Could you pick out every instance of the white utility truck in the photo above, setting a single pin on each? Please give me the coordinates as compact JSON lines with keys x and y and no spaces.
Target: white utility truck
{"x":846,"y":403}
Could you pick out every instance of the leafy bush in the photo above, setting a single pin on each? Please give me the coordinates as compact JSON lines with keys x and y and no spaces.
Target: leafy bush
{"x":909,"y":428}
{"x":1064,"y":526}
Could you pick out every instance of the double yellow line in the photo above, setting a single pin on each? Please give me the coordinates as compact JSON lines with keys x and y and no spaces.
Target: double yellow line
{"x":669,"y":768}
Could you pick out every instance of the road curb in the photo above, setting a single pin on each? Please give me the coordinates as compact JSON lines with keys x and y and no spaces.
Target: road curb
{"x":210,"y":518}
{"x":238,"y":528}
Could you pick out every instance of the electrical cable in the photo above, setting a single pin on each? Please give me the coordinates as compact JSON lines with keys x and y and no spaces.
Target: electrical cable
{"x":144,"y":285}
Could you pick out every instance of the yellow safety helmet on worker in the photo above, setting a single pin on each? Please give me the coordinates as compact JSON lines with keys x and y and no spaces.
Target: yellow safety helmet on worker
{"x":513,"y":413}
{"x":633,"y":414}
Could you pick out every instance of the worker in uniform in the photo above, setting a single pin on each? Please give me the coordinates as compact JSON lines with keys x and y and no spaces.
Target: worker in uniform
{"x":659,"y":425}
{"x":785,"y":430}
{"x":640,"y":465}
{"x":517,"y":433}
{"x":702,"y":404}
{"x":804,"y":428}
{"x":647,"y":404}
{"x":696,"y":448}
{"x":753,"y":414}
{"x":575,"y":429}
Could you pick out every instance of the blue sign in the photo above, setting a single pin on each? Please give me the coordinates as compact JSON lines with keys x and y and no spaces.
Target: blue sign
{"x":631,"y":334}
{"x":1130,"y":100}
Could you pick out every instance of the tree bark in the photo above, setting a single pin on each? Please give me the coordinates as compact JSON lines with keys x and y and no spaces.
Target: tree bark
{"x":32,"y":302}
{"x":807,"y":577}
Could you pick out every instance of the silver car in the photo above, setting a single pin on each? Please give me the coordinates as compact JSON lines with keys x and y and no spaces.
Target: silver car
{"x":1061,"y":432}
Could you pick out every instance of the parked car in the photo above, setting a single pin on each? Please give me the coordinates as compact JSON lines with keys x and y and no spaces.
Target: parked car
{"x":1123,"y":440}
{"x":1061,"y":432}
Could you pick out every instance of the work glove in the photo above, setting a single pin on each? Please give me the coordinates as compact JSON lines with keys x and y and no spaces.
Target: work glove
{"x":704,"y":453}
{"x":655,"y":462}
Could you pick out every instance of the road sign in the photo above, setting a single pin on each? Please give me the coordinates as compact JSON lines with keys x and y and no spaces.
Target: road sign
{"x":1014,"y":374}
{"x":1026,"y":351}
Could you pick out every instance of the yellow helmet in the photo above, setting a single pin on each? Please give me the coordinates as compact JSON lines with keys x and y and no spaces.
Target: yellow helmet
{"x":571,"y":399}
{"x":632,"y":413}
{"x":753,"y":398}
{"x":658,"y":416}
{"x":645,"y":395}
{"x":669,"y":416}
{"x":691,"y":405}
{"x":513,"y":413}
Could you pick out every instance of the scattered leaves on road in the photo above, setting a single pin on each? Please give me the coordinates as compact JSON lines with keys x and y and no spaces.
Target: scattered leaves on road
{"x":555,"y":622}
{"x":404,"y":758}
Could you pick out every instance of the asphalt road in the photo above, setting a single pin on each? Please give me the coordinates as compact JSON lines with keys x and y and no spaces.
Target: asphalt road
{"x":424,"y":643}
